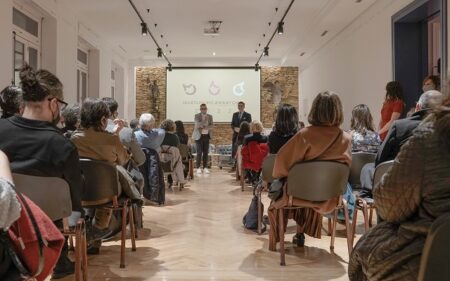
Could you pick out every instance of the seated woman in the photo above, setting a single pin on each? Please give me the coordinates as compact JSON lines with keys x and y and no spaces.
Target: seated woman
{"x":11,"y":101}
{"x":71,"y":117}
{"x":94,"y":142}
{"x":323,"y":140}
{"x":179,"y":132}
{"x":254,"y":151}
{"x":364,"y":137}
{"x":148,"y":136}
{"x":410,"y":197}
{"x":244,"y":130}
{"x":286,"y":126}
{"x":171,"y":140}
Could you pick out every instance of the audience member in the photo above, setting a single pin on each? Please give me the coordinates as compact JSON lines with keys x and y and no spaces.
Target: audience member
{"x":35,"y":146}
{"x":9,"y":205}
{"x":256,"y":129}
{"x":236,"y":121}
{"x":71,"y":117}
{"x":11,"y":101}
{"x":323,"y":140}
{"x":148,"y":136}
{"x":179,"y":132}
{"x":286,"y":126}
{"x":431,"y":82}
{"x":134,"y":124}
{"x":392,"y":107}
{"x":364,"y":137}
{"x":410,"y":197}
{"x":244,"y":130}
{"x":171,"y":140}
{"x":202,"y":134}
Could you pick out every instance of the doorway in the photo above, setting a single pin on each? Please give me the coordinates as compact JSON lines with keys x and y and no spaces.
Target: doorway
{"x":419,"y":46}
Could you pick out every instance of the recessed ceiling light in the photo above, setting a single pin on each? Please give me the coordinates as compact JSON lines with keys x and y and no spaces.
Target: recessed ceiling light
{"x":324,"y":33}
{"x":302,"y":54}
{"x":214,"y":53}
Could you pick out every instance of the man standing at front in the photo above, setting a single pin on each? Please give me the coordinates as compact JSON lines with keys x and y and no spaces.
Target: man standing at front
{"x":238,"y":117}
{"x":202,"y":134}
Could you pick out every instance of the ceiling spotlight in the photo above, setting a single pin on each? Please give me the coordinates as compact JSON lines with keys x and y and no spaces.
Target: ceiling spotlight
{"x":214,"y":53}
{"x":160,"y":53}
{"x":256,"y":67}
{"x":266,"y":51}
{"x":280,"y":28}
{"x":169,"y":66}
{"x":144,"y":29}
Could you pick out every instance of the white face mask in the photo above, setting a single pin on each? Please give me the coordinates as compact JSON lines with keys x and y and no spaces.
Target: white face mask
{"x":427,"y":88}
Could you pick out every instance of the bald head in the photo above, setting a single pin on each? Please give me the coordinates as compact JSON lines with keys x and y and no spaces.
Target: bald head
{"x":429,"y":100}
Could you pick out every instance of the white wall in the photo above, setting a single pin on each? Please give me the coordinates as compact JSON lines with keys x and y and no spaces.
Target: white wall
{"x":6,"y":45}
{"x":356,"y":64}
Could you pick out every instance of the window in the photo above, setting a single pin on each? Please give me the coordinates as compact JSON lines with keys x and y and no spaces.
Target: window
{"x":26,"y":42}
{"x":82,"y":74}
{"x":113,"y":83}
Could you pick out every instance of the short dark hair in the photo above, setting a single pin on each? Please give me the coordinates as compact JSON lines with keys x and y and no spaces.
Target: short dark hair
{"x":112,"y":104}
{"x":134,"y":123}
{"x":436,"y":81}
{"x":168,"y":125}
{"x":203,"y":104}
{"x":10,"y":101}
{"x":326,"y":110}
{"x":36,"y":86}
{"x":71,"y":116}
{"x":92,"y":112}
{"x":286,"y":122}
{"x":394,"y":90}
{"x":241,"y":102}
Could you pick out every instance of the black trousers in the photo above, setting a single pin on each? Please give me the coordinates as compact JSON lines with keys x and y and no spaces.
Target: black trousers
{"x":234,"y":146}
{"x":202,"y":150}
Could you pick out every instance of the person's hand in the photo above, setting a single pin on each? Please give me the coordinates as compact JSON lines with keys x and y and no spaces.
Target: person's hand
{"x":237,"y":129}
{"x":119,"y":124}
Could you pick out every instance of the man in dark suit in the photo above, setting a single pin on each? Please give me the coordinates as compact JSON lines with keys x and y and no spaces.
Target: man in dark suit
{"x":238,"y":117}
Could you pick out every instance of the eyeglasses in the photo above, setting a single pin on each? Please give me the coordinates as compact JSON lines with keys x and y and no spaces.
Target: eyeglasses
{"x":62,"y":103}
{"x":203,"y":108}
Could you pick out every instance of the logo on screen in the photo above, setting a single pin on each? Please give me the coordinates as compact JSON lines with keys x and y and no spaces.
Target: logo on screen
{"x":189,"y":89}
{"x":214,"y":89}
{"x":238,"y":89}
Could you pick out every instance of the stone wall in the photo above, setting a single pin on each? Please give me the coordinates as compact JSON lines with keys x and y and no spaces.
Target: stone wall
{"x":277,"y":84}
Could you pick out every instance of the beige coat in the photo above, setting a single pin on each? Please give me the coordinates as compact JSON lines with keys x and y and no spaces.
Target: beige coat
{"x":310,"y":143}
{"x":409,"y":198}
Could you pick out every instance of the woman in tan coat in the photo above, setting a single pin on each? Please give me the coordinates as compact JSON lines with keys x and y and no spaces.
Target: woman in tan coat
{"x":323,"y":140}
{"x":410,"y":197}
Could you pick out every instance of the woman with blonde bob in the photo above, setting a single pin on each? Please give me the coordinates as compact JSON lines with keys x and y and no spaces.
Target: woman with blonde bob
{"x":323,"y":140}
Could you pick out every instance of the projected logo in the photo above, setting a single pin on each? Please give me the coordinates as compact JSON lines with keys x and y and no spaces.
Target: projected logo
{"x":214,"y":89}
{"x":189,"y":89}
{"x":238,"y":89}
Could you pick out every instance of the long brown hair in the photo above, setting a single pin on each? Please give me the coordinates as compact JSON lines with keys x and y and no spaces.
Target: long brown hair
{"x":394,"y":91}
{"x":362,"y":120}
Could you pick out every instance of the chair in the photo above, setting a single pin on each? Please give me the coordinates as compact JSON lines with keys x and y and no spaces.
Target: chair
{"x":367,"y":205}
{"x":266,"y":176}
{"x":170,"y":159}
{"x":359,"y":159}
{"x":317,"y":181}
{"x":57,"y":206}
{"x":101,"y":181}
{"x":435,"y":253}
{"x":187,"y":159}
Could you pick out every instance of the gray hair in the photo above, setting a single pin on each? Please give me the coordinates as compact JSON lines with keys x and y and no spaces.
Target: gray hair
{"x":146,"y":121}
{"x":430,"y":99}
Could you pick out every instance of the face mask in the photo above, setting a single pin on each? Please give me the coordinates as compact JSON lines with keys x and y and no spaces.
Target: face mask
{"x":427,"y":88}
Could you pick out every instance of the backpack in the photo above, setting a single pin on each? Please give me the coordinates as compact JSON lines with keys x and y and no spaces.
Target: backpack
{"x":250,"y":219}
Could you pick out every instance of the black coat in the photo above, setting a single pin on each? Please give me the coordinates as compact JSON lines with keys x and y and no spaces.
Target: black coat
{"x":236,"y":122}
{"x":154,"y":188}
{"x":276,"y":141}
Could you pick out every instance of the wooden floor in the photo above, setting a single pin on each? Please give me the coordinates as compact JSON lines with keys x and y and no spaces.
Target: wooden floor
{"x":198,"y":235}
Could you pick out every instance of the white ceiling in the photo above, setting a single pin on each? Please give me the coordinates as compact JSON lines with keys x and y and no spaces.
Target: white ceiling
{"x":181,"y":22}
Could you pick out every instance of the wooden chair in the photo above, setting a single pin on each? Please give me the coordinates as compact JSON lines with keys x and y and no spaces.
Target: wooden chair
{"x":359,"y":159}
{"x":317,"y":181}
{"x":266,"y":175}
{"x":367,"y":205}
{"x":101,"y":181}
{"x":435,"y":253}
{"x":187,"y":159}
{"x":52,"y":195}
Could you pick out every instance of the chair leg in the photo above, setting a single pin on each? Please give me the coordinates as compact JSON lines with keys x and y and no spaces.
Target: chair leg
{"x":258,"y":194}
{"x":366,"y":217}
{"x":84,"y":251}
{"x":354,"y":222}
{"x":78,"y":254}
{"x":329,"y":227}
{"x":242,"y":180}
{"x":122,"y":236}
{"x":281,"y":233}
{"x":132,"y":227}
{"x":333,"y":229}
{"x":71,"y":247}
{"x":348,"y":228}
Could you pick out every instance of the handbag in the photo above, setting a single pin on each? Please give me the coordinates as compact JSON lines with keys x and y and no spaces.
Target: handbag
{"x":31,"y":246}
{"x":276,"y":189}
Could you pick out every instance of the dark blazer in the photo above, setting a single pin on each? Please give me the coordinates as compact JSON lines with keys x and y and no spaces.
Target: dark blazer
{"x":235,"y":122}
{"x":276,"y":141}
{"x":400,"y":131}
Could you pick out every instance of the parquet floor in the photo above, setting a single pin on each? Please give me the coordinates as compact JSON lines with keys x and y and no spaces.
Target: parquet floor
{"x":198,"y":235}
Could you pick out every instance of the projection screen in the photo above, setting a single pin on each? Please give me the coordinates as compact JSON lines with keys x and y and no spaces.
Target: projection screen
{"x":220,"y":88}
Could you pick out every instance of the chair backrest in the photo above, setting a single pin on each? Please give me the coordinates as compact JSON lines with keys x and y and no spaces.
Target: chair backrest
{"x":51,"y":194}
{"x":101,"y":180}
{"x":359,"y":159}
{"x":267,"y":167}
{"x":435,"y":253}
{"x":317,"y":180}
{"x":184,"y":150}
{"x":380,"y":170}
